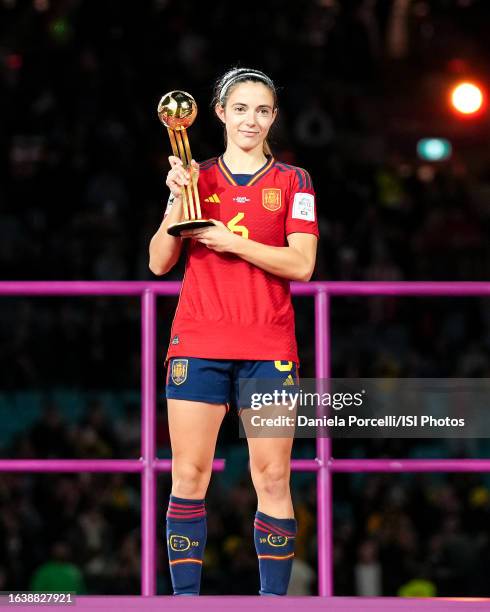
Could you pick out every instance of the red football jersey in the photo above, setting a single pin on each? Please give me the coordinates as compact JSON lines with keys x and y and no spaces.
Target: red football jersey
{"x":229,"y":308}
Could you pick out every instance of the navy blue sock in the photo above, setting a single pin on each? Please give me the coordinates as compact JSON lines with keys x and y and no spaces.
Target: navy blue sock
{"x":274,"y":543}
{"x":186,"y":539}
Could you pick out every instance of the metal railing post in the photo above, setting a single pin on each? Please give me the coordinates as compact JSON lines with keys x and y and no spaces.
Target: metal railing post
{"x":148,"y":444}
{"x":324,"y":452}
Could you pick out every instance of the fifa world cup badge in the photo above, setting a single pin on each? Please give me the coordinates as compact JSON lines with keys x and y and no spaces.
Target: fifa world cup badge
{"x":271,"y":199}
{"x":179,"y":370}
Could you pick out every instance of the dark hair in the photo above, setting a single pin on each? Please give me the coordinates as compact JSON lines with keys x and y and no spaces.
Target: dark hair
{"x":234,"y":77}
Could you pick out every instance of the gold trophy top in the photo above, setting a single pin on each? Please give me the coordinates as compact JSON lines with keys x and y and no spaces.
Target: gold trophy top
{"x":177,"y":110}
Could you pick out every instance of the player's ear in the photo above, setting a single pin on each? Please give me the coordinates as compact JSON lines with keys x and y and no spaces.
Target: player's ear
{"x":220,"y":111}
{"x":274,"y":114}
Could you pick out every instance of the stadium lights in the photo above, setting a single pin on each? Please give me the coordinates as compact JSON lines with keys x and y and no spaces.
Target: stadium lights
{"x":434,"y":149}
{"x":467,"y":98}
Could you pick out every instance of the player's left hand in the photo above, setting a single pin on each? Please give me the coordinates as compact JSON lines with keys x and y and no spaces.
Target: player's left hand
{"x":217,"y":237}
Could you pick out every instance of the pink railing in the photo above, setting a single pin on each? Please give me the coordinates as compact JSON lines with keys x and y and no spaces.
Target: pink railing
{"x":324,"y":464}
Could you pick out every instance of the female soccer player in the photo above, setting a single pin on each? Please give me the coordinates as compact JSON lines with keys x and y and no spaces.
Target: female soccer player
{"x":234,"y":320}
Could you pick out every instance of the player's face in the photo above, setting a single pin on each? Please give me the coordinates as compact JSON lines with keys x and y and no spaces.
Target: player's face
{"x":248,"y":115}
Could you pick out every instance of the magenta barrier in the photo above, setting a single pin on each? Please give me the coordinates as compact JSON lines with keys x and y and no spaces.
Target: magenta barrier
{"x":240,"y":603}
{"x":324,"y":464}
{"x":90,"y":465}
{"x":410,"y":465}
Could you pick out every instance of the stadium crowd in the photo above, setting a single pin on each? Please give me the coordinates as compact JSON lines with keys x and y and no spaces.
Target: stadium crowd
{"x":394,"y":534}
{"x":82,"y":165}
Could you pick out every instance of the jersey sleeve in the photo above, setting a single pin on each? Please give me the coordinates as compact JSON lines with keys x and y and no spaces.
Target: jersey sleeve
{"x":301,"y":210}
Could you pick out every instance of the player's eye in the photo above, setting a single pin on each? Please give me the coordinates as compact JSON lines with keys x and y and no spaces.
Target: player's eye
{"x":239,"y":109}
{"x":264,"y":111}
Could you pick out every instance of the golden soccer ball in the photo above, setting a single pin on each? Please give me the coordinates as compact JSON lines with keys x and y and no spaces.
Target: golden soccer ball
{"x":177,"y":110}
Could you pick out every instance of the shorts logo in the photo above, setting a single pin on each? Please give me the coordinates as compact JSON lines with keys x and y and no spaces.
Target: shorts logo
{"x":179,"y":370}
{"x":277,"y":540}
{"x":271,"y":199}
{"x":179,"y":543}
{"x":289,"y":381}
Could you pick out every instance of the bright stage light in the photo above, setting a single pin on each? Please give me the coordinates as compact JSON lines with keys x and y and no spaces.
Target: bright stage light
{"x":467,"y":98}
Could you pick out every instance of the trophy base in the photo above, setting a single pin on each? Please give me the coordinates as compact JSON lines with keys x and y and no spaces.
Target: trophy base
{"x":177,"y":228}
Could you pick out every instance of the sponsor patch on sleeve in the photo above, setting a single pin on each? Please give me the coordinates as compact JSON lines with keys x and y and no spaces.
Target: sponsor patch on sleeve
{"x":304,"y":206}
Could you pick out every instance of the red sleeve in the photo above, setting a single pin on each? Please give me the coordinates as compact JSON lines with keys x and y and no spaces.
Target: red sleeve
{"x":301,"y":205}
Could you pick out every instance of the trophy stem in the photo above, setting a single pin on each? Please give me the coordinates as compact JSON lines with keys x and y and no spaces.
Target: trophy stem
{"x":193,"y":177}
{"x":188,"y":188}
{"x":175,"y":151}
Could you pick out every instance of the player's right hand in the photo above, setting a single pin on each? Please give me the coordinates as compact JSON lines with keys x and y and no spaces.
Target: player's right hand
{"x":178,"y":177}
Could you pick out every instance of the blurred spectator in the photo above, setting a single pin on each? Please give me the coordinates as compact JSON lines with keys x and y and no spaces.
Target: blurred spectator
{"x":49,"y":436}
{"x":368,"y":571}
{"x":302,"y":577}
{"x":81,"y":193}
{"x":58,"y":574}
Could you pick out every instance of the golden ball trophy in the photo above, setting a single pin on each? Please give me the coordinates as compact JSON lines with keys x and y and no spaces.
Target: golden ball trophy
{"x":177,"y":111}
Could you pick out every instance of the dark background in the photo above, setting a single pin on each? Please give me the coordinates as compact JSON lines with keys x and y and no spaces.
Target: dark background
{"x":82,"y":171}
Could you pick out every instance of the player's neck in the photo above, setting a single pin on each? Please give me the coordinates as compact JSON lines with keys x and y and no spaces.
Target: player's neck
{"x":239,"y":161}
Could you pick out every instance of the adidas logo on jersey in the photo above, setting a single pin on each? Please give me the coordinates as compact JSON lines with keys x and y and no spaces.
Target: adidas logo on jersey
{"x":289,"y":381}
{"x":213,"y":198}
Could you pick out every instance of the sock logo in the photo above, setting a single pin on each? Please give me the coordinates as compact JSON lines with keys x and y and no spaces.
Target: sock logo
{"x":277,"y":540}
{"x":179,"y":543}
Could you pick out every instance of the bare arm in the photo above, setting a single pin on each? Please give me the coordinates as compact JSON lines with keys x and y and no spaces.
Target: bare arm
{"x":294,"y":262}
{"x":165,"y":250}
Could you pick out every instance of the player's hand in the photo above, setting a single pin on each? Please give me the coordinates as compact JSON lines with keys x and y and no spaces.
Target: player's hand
{"x":178,"y":176}
{"x":217,"y":237}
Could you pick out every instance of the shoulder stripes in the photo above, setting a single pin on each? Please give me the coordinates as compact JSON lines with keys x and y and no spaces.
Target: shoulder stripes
{"x":309,"y":184}
{"x":207,"y":163}
{"x":304,"y":178}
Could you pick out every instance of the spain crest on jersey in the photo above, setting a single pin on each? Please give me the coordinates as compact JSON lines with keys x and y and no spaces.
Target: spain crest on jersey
{"x":179,"y":370}
{"x":271,"y":199}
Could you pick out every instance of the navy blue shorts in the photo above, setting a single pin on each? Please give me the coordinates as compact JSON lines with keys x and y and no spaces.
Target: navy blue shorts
{"x":216,"y":381}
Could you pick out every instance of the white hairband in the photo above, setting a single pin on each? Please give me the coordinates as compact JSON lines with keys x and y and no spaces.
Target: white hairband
{"x":255,"y":74}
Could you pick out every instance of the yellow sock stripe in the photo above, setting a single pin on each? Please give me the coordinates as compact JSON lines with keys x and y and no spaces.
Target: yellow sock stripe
{"x":276,"y":557}
{"x":186,"y":561}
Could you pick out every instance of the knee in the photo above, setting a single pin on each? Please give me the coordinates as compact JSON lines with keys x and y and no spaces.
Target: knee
{"x":189,"y":480}
{"x":272,"y":479}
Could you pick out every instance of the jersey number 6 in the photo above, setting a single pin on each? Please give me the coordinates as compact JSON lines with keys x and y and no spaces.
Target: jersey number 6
{"x":238,"y":229}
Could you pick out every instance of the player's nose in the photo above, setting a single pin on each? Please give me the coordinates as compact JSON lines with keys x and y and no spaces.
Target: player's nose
{"x":250,"y":119}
